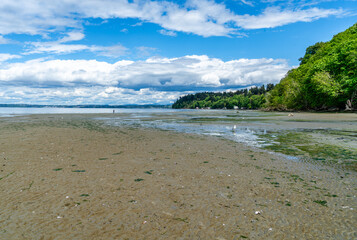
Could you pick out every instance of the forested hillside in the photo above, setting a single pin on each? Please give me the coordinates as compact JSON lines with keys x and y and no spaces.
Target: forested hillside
{"x":326,"y":78}
{"x":252,"y":98}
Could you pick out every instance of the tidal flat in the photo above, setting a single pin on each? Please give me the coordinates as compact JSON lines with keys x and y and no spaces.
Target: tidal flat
{"x":178,"y":175}
{"x":327,"y":138}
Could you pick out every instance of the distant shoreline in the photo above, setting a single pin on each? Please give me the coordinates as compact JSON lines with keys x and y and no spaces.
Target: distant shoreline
{"x":85,"y":106}
{"x":168,"y":106}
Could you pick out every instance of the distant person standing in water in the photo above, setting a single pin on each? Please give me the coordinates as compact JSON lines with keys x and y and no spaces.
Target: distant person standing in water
{"x":113,"y":111}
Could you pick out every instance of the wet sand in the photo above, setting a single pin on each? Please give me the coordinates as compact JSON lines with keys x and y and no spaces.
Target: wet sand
{"x":69,"y":177}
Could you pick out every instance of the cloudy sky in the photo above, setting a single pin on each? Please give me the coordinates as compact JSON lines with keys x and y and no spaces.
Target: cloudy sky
{"x":141,"y":51}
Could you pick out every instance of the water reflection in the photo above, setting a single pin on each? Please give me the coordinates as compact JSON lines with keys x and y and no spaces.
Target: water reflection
{"x":325,"y":140}
{"x":217,"y":126}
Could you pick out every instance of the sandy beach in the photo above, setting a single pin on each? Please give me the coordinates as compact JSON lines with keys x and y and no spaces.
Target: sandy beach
{"x":70,"y":177}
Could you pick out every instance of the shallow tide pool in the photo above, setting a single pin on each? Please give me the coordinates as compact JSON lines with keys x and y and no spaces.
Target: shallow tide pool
{"x":327,"y":138}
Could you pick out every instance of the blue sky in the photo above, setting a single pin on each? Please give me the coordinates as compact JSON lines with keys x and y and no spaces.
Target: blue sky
{"x":140,"y":52}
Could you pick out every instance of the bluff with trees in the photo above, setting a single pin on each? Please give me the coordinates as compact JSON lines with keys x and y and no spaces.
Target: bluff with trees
{"x":326,"y":79}
{"x":252,"y":98}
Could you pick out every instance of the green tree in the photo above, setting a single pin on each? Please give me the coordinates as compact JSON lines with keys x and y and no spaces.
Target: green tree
{"x":326,"y":77}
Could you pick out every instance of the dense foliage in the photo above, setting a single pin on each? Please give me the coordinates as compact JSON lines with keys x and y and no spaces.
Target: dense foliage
{"x":253,"y":98}
{"x":325,"y":79}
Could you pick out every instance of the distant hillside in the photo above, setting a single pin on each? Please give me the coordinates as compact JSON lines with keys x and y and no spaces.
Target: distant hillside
{"x":326,"y":78}
{"x":252,"y":98}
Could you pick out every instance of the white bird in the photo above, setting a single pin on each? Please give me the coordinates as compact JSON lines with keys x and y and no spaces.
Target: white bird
{"x":234,"y":128}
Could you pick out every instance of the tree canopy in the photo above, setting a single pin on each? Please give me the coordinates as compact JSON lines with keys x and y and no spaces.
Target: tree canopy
{"x":325,"y":79}
{"x":252,"y":98}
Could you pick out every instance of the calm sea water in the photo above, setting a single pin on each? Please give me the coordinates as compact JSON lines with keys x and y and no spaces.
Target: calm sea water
{"x":10,"y":112}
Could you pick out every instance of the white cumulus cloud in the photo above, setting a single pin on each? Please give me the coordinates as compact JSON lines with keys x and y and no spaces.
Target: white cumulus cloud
{"x":72,"y":36}
{"x":5,"y":56}
{"x":274,"y":17}
{"x":201,"y":17}
{"x":4,"y":40}
{"x":62,"y":46}
{"x":161,"y":79}
{"x":168,"y":33}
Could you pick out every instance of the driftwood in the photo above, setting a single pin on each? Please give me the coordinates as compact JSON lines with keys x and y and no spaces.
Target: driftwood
{"x":349,"y":102}
{"x":348,"y":105}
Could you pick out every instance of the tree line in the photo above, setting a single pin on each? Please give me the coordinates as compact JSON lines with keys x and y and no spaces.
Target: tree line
{"x":252,"y":98}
